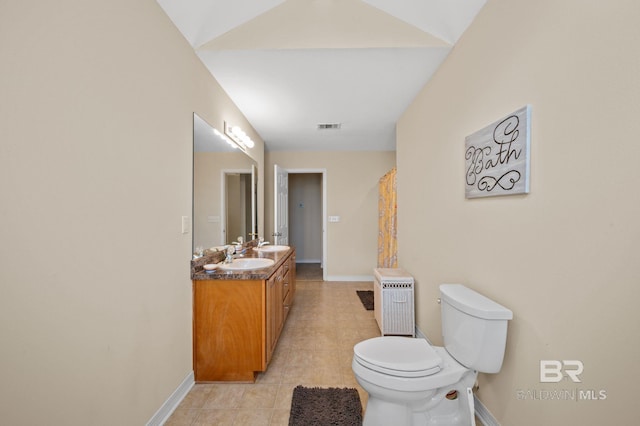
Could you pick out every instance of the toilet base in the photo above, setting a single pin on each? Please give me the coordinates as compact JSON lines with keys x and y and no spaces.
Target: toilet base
{"x":384,"y":413}
{"x":436,"y":410}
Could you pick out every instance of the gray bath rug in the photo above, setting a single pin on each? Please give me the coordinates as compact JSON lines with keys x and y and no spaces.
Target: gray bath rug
{"x":366,"y":297}
{"x":322,"y":407}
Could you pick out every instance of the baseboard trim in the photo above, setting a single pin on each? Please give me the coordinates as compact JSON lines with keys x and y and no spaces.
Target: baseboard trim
{"x":308,"y":260}
{"x":169,"y":406}
{"x":483,"y":414}
{"x":421,"y":335}
{"x":349,"y":278}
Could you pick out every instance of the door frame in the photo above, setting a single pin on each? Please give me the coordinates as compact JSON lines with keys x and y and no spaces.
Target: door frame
{"x":223,"y":201}
{"x":280,"y":205}
{"x":322,"y":172}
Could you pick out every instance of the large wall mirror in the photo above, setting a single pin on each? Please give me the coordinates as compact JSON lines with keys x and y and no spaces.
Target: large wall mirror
{"x":224,"y":190}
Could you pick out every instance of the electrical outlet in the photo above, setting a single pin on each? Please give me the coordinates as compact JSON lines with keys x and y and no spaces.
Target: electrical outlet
{"x":334,"y":219}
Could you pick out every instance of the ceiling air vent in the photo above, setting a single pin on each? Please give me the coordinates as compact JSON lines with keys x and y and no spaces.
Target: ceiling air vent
{"x":326,"y":126}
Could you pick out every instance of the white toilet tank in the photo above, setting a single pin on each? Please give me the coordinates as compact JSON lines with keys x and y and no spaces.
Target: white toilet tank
{"x":474,"y":328}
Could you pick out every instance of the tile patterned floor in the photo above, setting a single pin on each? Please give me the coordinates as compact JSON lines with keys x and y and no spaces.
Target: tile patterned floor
{"x":315,"y":349}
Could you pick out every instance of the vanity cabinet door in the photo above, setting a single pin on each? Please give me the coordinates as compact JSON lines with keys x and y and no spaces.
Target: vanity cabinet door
{"x":271,"y":305}
{"x":292,"y":259}
{"x":291,"y":284}
{"x":275,"y":313}
{"x":278,"y":302}
{"x":286,"y":287}
{"x":227,"y":330}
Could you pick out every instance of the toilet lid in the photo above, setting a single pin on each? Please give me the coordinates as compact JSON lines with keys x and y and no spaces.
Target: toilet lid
{"x":399,"y":356}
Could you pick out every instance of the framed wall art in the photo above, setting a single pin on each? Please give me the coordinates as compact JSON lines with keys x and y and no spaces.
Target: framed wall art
{"x":497,"y":157}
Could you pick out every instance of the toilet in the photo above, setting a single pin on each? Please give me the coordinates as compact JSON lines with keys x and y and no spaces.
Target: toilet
{"x":411,"y":382}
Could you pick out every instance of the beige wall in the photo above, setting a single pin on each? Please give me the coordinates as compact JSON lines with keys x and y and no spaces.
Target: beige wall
{"x":352,"y":193}
{"x":95,"y":173}
{"x":564,"y":258}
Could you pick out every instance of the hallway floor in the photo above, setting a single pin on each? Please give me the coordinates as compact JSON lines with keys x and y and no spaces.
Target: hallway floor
{"x":315,"y":349}
{"x":308,"y":272}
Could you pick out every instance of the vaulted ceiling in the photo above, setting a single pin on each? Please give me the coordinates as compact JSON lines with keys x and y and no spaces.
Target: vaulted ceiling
{"x":291,"y":65}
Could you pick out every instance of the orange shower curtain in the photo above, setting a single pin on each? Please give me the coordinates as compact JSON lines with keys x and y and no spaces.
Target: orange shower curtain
{"x":387,"y":228}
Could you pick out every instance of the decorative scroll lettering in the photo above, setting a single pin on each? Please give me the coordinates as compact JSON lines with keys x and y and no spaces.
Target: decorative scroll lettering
{"x":497,"y":157}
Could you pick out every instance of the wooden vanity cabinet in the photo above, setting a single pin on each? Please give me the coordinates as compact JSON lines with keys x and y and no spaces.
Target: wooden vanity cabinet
{"x":237,"y":323}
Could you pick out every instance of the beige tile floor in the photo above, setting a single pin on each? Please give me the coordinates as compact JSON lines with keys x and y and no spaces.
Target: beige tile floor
{"x":315,"y":349}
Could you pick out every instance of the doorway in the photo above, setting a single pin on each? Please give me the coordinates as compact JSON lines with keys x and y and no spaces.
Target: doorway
{"x":306,"y":213}
{"x":237,"y":205}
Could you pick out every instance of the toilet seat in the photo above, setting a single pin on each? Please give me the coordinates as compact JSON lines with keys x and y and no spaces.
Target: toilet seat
{"x":398,"y":356}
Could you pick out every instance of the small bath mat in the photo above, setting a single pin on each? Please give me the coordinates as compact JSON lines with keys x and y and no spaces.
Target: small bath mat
{"x":366,"y":297}
{"x":322,"y":407}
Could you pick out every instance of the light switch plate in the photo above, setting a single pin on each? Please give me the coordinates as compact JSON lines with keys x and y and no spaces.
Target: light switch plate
{"x":186,"y":224}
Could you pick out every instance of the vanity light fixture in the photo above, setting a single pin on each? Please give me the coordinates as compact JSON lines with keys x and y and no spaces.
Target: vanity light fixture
{"x":237,"y":135}
{"x":224,"y":137}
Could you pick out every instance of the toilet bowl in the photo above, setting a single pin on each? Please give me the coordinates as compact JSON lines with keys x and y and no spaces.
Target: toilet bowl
{"x":410,"y":382}
{"x":402,"y":393}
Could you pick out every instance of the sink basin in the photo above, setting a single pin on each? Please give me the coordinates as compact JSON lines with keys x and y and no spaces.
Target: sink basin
{"x":272,"y":248}
{"x":247,"y":264}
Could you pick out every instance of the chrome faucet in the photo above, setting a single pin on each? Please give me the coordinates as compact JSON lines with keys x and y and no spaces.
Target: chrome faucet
{"x":262,"y":242}
{"x":230,"y":251}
